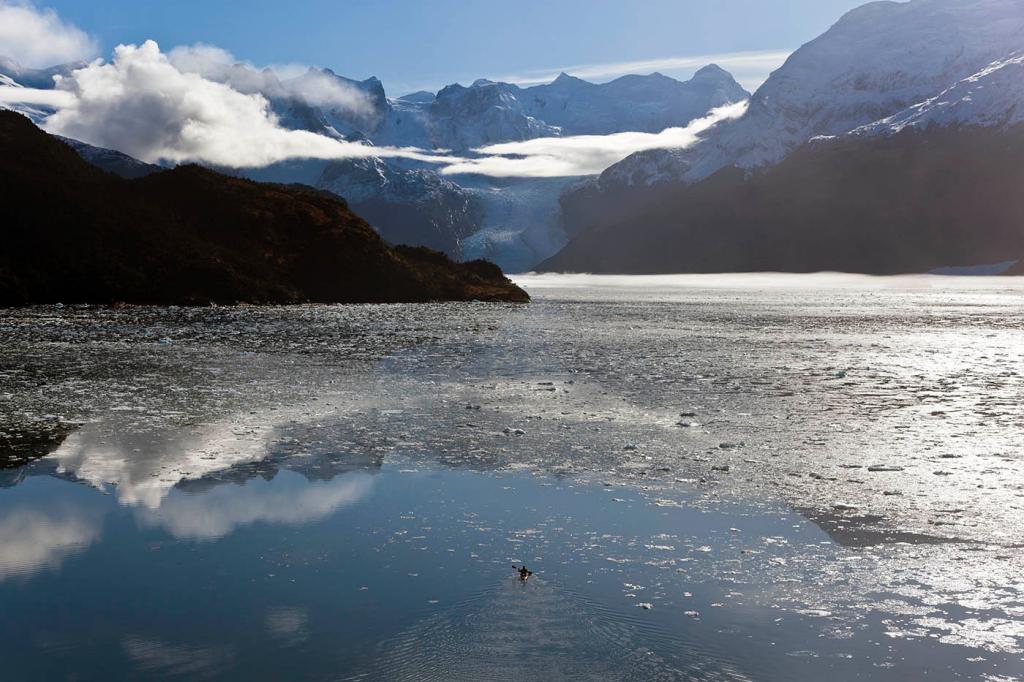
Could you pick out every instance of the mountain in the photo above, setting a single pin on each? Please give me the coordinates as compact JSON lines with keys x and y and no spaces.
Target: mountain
{"x":407,"y":206}
{"x":947,"y":69}
{"x":912,"y":201}
{"x":630,"y":103}
{"x":418,"y":97}
{"x":515,"y":222}
{"x":877,"y":60}
{"x":35,"y":78}
{"x":75,"y":233}
{"x":363,"y":113}
{"x":37,"y":113}
{"x":993,"y":97}
{"x":485,"y":113}
{"x":461,"y":118}
{"x":111,"y":161}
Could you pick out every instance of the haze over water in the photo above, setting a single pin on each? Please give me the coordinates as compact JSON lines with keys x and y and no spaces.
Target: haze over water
{"x":761,"y":477}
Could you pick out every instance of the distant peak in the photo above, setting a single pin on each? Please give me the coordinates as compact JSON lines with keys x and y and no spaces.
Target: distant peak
{"x":712,"y":71}
{"x":479,"y":82}
{"x":418,"y":96}
{"x":565,"y":79}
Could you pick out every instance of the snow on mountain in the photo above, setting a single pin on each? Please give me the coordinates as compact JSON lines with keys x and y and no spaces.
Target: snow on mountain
{"x":517,"y":221}
{"x":917,"y":92}
{"x":418,"y":97}
{"x":877,"y":60}
{"x":110,"y":160}
{"x":406,"y":205}
{"x":35,"y":112}
{"x":630,"y":103}
{"x":35,"y":78}
{"x":347,"y":105}
{"x":993,"y":97}
{"x":485,"y":113}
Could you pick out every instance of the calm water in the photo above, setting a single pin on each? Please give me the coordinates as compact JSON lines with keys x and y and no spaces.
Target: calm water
{"x":742,"y":478}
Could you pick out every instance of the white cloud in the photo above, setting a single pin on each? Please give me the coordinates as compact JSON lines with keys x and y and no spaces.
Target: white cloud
{"x":38,"y":38}
{"x":584,"y":154}
{"x":315,"y":87}
{"x":143,"y":105}
{"x":751,"y":69}
{"x":47,"y":98}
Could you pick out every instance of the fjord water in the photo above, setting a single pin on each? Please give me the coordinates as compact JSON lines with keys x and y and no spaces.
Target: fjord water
{"x":757,"y":477}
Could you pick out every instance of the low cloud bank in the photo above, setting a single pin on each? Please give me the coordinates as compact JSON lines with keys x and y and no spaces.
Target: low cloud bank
{"x":16,"y":95}
{"x":584,"y":154}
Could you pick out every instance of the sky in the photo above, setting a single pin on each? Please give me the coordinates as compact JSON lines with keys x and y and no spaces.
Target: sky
{"x":426,"y":44}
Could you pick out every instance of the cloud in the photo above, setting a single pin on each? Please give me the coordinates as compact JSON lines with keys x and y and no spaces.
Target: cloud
{"x":38,"y":38}
{"x":751,"y":69}
{"x":584,"y":154}
{"x":315,"y":87}
{"x":16,"y":94}
{"x":143,"y":105}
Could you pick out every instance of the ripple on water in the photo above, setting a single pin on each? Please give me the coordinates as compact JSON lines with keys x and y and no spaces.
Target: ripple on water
{"x":534,"y":631}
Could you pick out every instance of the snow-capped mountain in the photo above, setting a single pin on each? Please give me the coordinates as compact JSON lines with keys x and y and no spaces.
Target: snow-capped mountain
{"x":874,"y":62}
{"x":484,"y":113}
{"x":515,"y":222}
{"x":34,"y":78}
{"x":13,"y":75}
{"x":488,"y":112}
{"x":110,"y":160}
{"x":644,"y":103}
{"x":410,"y":206}
{"x":993,"y":97}
{"x":867,"y":121}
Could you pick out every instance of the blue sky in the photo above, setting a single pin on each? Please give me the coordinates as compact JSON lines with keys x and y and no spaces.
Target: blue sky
{"x":412,"y":44}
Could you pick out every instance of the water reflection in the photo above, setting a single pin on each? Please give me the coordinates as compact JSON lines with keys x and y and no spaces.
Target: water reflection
{"x":289,"y":625}
{"x":33,"y":539}
{"x":288,"y":499}
{"x":144,"y":462}
{"x":158,"y":657}
{"x":196,"y":483}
